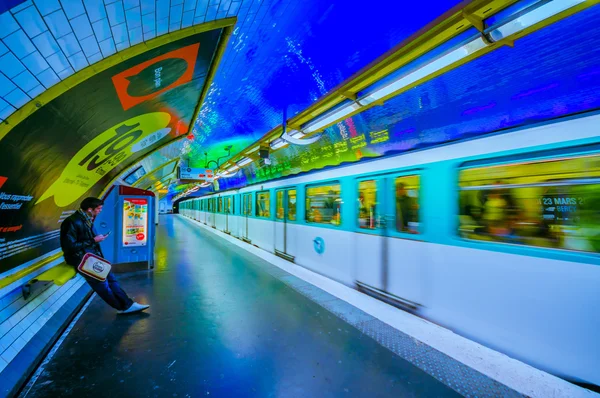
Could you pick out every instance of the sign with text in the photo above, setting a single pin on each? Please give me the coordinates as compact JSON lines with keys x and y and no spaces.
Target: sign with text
{"x":195,"y":174}
{"x":135,"y":222}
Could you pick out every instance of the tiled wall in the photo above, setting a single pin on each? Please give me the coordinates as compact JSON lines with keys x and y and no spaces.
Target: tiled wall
{"x":21,"y":319}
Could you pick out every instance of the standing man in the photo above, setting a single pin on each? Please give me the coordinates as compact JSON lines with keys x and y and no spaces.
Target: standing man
{"x":78,"y":237}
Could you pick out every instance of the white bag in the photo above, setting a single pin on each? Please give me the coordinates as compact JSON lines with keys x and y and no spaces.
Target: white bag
{"x":94,"y":266}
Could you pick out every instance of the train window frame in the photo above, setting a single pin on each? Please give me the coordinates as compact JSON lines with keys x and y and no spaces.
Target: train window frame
{"x":220,"y":205}
{"x":256,"y":198}
{"x":528,"y":158}
{"x":306,"y":197}
{"x":286,"y":205}
{"x":247,"y":212}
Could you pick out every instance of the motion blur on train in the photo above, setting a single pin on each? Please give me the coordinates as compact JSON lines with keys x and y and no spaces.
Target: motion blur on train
{"x":496,"y":238}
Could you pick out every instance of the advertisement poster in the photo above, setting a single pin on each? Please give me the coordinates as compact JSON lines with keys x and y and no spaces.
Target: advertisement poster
{"x":75,"y":144}
{"x":135,"y":222}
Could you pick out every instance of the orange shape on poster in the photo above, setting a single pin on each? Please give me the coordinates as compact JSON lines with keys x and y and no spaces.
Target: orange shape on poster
{"x":155,"y":76}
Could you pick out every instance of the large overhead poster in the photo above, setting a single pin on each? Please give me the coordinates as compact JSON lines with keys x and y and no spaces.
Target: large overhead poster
{"x":74,"y":145}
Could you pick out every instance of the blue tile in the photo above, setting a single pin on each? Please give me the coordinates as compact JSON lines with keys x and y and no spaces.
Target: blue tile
{"x":235,"y":6}
{"x":35,"y":63}
{"x":47,"y":6}
{"x":7,"y":24}
{"x":3,"y":48}
{"x":21,"y":6}
{"x":46,"y":44}
{"x":66,"y":73}
{"x":199,"y":20}
{"x":176,"y":2}
{"x":123,"y":45}
{"x":148,"y":6}
{"x":31,"y":21}
{"x":116,"y":15}
{"x":175,"y":27}
{"x":134,"y":18}
{"x":90,"y":46}
{"x":120,"y":33}
{"x":6,"y":112}
{"x":10,"y":65}
{"x":69,"y":44}
{"x":149,"y":35}
{"x":73,"y":8}
{"x":189,"y":5}
{"x":162,"y":27}
{"x":128,"y":4}
{"x":58,"y":24}
{"x":188,"y":19}
{"x":107,"y":47}
{"x":58,"y":62}
{"x":201,"y":8}
{"x":79,"y":61}
{"x":95,"y":57}
{"x":176,"y":14}
{"x":26,"y":81}
{"x":6,"y":86}
{"x":81,"y":27}
{"x":102,"y":29}
{"x":48,"y":78}
{"x":136,"y":36}
{"x":149,"y":22}
{"x":162,"y":9}
{"x":19,"y":44}
{"x":17,"y":98}
{"x":95,"y":10}
{"x":37,"y":90}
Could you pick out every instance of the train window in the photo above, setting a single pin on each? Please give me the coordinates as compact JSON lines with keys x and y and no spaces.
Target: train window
{"x":367,"y":201}
{"x":547,"y":203}
{"x":291,"y":205}
{"x":324,"y":204}
{"x":263,"y":201}
{"x":227,"y":205}
{"x":407,"y":203}
{"x":220,"y":208}
{"x":247,"y":204}
{"x":279,"y":204}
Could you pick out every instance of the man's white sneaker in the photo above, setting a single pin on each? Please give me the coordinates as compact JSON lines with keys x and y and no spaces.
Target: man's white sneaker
{"x":135,"y":307}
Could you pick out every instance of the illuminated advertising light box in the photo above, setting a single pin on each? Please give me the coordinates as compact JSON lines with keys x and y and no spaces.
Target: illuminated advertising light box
{"x":135,"y":222}
{"x":195,"y":174}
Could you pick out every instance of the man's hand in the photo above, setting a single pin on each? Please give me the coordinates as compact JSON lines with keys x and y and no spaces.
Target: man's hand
{"x":99,"y":238}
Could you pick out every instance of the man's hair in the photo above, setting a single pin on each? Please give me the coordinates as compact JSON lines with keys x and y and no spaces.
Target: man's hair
{"x":91,"y":203}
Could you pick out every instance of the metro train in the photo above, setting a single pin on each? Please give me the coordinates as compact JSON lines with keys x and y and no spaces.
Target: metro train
{"x":496,"y":238}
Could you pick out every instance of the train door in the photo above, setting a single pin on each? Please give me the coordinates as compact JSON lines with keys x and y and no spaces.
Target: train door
{"x":246,"y":211}
{"x":389,"y":209}
{"x":214,"y":213}
{"x":286,"y":212}
{"x":227,"y":211}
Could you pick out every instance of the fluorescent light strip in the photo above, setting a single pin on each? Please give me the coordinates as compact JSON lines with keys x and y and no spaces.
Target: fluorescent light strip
{"x":278,"y":143}
{"x":244,"y":162}
{"x":233,"y":168}
{"x":328,"y":119}
{"x":427,"y":69}
{"x":296,"y":134}
{"x":533,"y":17}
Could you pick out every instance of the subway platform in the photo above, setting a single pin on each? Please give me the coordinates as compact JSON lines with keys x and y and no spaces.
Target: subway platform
{"x":225,"y":322}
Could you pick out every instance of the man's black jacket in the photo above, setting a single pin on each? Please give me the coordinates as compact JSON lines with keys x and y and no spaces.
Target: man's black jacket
{"x":77,"y":239}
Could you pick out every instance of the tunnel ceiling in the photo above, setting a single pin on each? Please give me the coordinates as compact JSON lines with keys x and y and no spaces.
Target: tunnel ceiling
{"x":72,"y":74}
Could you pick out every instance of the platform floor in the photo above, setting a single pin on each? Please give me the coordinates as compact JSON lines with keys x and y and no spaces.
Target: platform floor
{"x":220,"y":325}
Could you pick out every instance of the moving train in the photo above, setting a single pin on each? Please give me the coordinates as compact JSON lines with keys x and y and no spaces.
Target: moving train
{"x":495,"y":238}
